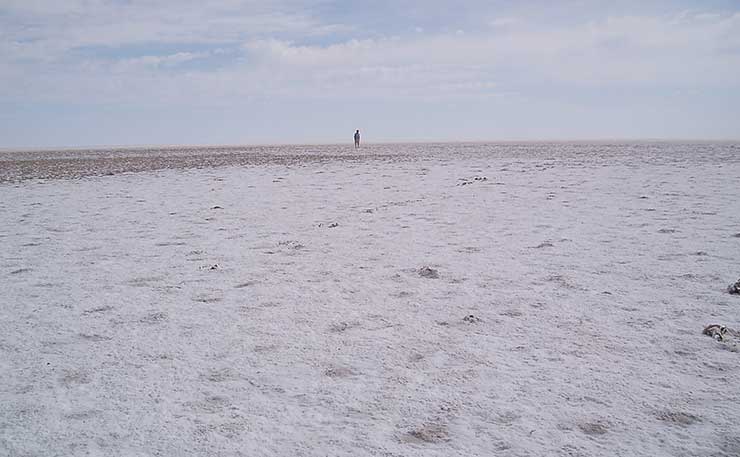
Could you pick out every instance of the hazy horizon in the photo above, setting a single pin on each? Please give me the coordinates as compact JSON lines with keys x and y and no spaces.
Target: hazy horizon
{"x":111,"y":73}
{"x":513,"y":141}
{"x":574,"y":141}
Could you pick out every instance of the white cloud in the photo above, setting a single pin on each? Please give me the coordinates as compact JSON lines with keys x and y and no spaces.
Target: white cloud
{"x":503,"y":21}
{"x":687,"y":48}
{"x":646,"y":50}
{"x":155,"y":62}
{"x":47,"y":30}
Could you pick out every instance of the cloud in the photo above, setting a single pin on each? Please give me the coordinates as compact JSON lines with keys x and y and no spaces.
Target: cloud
{"x":46,"y":31}
{"x":564,"y":65}
{"x":150,"y":63}
{"x":627,"y":50}
{"x":503,"y":21}
{"x":267,"y":51}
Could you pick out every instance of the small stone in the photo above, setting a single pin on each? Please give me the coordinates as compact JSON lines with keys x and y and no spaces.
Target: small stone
{"x":716,"y":331}
{"x":471,"y":319}
{"x":734,"y":289}
{"x":429,"y":273}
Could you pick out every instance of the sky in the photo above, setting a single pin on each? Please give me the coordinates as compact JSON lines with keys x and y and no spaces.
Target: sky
{"x":137,"y":72}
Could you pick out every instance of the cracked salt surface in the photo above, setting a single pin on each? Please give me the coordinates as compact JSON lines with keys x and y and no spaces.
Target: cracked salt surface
{"x":564,"y":314}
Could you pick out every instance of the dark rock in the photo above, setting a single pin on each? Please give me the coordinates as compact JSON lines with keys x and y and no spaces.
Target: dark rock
{"x":716,"y":331}
{"x":467,"y":181}
{"x":429,"y":273}
{"x":471,"y":319}
{"x":734,"y":289}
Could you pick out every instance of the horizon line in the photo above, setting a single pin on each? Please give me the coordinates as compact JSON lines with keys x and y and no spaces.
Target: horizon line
{"x":372,"y":143}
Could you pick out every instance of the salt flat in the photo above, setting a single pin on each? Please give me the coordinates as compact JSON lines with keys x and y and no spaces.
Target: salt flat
{"x":275,"y":306}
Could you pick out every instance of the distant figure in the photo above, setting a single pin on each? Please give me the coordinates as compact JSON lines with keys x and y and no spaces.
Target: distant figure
{"x":357,"y":139}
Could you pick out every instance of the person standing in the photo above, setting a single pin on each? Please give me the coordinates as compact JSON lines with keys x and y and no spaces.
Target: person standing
{"x":357,"y":139}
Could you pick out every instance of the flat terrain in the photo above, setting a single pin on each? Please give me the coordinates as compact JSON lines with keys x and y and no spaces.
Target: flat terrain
{"x":407,"y":300}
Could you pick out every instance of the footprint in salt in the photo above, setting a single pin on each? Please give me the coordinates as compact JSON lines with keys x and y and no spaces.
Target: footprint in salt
{"x":154,"y":318}
{"x":94,"y":337}
{"x":338,"y":372}
{"x":97,"y":310}
{"x":340,"y":327}
{"x":427,"y":433}
{"x":544,"y":244}
{"x":677,"y":417}
{"x":207,"y":299}
{"x":594,"y":428}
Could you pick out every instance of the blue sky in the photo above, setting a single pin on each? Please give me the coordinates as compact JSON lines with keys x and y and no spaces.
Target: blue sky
{"x":131,"y":72}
